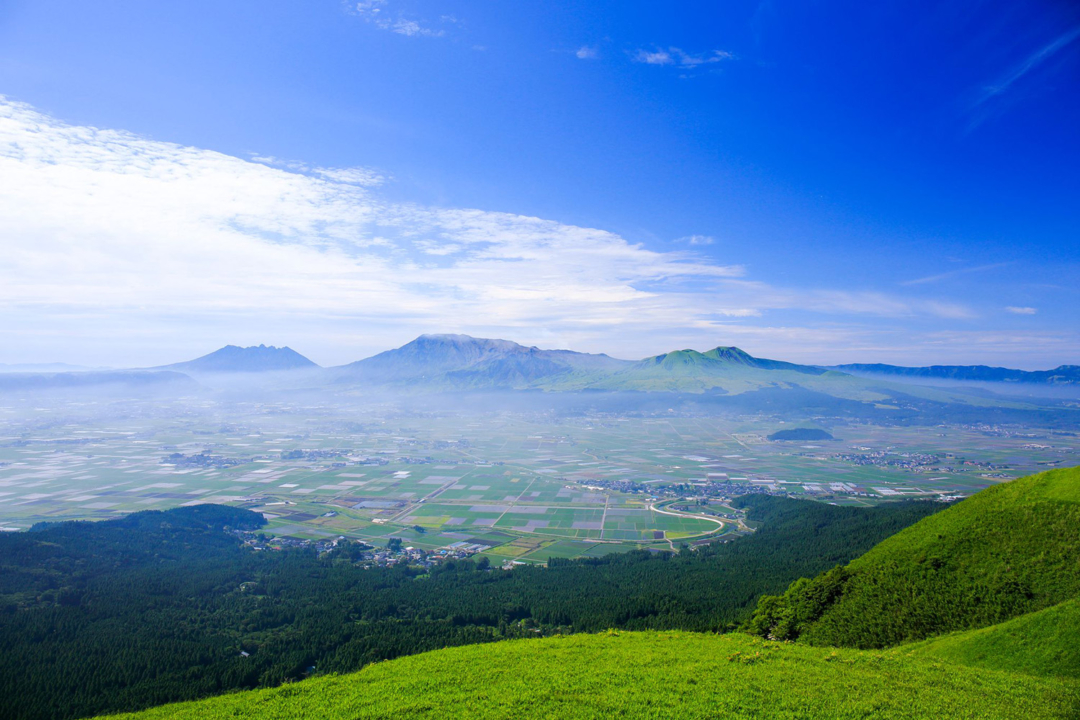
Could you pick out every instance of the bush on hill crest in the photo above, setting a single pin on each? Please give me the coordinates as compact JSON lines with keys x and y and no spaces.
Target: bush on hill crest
{"x":1008,"y":550}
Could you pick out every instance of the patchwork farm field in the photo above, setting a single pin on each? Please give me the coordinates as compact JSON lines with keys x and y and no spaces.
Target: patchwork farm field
{"x":525,"y":486}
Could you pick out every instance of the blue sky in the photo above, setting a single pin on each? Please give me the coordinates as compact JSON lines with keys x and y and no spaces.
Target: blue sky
{"x":821,"y":182}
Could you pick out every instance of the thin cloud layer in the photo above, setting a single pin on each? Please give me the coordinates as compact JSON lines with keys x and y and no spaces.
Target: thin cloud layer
{"x":113,"y":235}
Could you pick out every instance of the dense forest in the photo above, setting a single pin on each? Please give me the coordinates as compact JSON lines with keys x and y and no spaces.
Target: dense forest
{"x":164,"y":606}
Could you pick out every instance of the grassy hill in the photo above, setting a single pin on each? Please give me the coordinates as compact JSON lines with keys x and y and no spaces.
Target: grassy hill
{"x":649,"y":675}
{"x":724,"y":369}
{"x":1046,"y":642}
{"x":1006,"y":551}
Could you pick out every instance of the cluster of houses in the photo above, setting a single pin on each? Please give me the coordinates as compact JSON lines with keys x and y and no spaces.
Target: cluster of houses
{"x":364,"y":554}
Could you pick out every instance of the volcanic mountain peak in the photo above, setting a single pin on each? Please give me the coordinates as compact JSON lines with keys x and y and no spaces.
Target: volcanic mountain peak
{"x":232,"y":359}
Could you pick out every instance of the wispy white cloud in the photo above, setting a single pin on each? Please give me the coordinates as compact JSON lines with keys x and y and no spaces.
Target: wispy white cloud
{"x":992,"y":94}
{"x":697,"y":240}
{"x":678,"y":58}
{"x":938,"y":277}
{"x":379,"y":14}
{"x":586,"y":52}
{"x":654,"y":57}
{"x":1021,"y":310}
{"x":1029,"y":63}
{"x":112,"y":238}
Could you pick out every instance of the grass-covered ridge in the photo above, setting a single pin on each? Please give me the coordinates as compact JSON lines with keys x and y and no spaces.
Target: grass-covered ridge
{"x":1006,"y":551}
{"x":1040,"y":643}
{"x":649,"y":675}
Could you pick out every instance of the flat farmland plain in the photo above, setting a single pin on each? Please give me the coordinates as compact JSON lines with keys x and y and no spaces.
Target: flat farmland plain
{"x":524,"y":486}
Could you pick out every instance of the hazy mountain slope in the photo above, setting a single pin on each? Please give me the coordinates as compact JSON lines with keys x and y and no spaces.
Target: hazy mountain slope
{"x":1065,"y":374}
{"x":234,"y":359}
{"x":723,"y":369}
{"x":1005,"y":551}
{"x":648,"y":675}
{"x":463,"y":361}
{"x":1046,"y":642}
{"x":437,"y":363}
{"x":736,"y":356}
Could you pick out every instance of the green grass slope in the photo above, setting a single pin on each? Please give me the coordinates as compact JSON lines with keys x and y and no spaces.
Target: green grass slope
{"x":1040,"y":643}
{"x":1006,"y":551}
{"x":649,"y":675}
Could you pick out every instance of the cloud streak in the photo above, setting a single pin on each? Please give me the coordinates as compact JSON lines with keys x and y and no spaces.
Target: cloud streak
{"x":953,"y":273}
{"x":678,"y":58}
{"x":1029,"y":63}
{"x":992,"y":95}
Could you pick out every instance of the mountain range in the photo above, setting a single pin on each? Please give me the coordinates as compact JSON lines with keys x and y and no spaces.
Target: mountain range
{"x":448,"y":362}
{"x":1061,"y":375}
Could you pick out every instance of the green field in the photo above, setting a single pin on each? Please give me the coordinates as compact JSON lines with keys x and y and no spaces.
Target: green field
{"x":650,"y":675}
{"x":371,"y":474}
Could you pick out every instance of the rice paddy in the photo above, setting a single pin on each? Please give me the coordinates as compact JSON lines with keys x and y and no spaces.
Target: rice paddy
{"x":523,"y":486}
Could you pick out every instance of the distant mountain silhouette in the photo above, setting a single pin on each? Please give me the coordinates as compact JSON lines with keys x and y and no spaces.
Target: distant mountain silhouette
{"x":1063,"y":375}
{"x":464,"y":361}
{"x":722,"y":369}
{"x":721,"y":358}
{"x":233,"y":359}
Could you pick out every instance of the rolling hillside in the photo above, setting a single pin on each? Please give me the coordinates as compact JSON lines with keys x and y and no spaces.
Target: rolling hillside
{"x":1006,"y":551}
{"x":724,"y":370}
{"x":1046,"y":642}
{"x":648,"y":675}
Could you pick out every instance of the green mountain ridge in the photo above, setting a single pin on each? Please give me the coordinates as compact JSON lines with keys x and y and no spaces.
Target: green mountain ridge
{"x":456,"y":363}
{"x":648,"y":675}
{"x":1006,"y":551}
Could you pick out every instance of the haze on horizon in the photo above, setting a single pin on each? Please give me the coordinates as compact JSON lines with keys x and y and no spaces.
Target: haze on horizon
{"x":623,"y":178}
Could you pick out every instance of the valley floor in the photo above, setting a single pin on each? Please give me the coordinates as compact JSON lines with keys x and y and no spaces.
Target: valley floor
{"x":650,"y":675}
